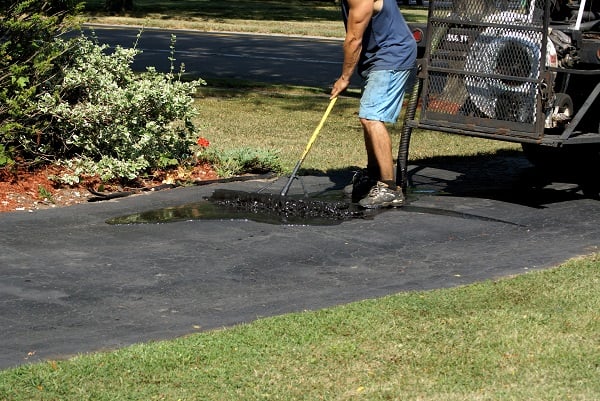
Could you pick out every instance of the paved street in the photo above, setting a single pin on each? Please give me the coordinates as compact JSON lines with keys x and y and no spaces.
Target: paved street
{"x":263,"y":58}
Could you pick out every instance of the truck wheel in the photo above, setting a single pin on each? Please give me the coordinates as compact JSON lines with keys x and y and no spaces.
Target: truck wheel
{"x":548,"y":157}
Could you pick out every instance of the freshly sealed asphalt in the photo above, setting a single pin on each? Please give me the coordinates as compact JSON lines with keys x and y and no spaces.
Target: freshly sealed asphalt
{"x":71,"y":283}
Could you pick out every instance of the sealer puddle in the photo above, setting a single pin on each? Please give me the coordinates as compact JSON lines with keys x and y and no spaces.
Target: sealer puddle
{"x":228,"y":205}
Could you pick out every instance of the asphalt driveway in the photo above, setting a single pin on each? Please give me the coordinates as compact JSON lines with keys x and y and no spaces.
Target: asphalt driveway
{"x":71,"y":283}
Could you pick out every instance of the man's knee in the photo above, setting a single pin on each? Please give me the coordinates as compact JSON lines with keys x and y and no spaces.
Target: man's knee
{"x":366,"y":123}
{"x":373,"y":127}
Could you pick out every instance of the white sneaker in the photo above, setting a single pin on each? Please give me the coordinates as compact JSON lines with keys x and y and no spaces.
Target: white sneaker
{"x":381,"y":195}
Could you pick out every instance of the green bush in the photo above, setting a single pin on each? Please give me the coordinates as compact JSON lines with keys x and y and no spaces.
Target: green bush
{"x":80,"y":104}
{"x":28,"y":63}
{"x":112,"y":122}
{"x":72,"y":101}
{"x":77,"y":102}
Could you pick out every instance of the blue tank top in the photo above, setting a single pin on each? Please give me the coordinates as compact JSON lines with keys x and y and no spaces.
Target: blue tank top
{"x":388,"y":43}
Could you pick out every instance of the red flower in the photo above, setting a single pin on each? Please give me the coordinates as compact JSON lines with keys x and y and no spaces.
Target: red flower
{"x":203,"y":142}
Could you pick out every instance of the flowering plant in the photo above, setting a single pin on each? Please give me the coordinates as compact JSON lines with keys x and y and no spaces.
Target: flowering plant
{"x":203,"y":142}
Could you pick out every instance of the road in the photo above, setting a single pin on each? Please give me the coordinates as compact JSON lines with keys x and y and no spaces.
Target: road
{"x":263,"y":58}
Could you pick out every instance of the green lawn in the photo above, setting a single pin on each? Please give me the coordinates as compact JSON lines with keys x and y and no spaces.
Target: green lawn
{"x":283,"y":119}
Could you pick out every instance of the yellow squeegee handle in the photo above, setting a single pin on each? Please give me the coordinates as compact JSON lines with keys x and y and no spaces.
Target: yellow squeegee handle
{"x":318,"y":129}
{"x":312,"y":139}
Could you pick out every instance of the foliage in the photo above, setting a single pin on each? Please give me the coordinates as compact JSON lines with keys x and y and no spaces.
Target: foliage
{"x":5,"y":157}
{"x":74,"y":101}
{"x":28,"y":62}
{"x":80,"y":103}
{"x":112,"y":122}
{"x":44,"y":193}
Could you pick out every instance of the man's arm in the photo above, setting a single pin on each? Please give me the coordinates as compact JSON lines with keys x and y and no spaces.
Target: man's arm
{"x":359,"y":16}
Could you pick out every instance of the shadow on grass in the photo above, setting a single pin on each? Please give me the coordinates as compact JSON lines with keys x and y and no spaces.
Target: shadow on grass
{"x":275,"y":10}
{"x":271,"y":10}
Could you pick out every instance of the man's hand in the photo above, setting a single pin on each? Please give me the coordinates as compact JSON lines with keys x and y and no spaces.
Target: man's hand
{"x":339,"y":86}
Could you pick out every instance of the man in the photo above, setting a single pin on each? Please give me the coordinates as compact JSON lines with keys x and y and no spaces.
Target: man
{"x":380,"y":45}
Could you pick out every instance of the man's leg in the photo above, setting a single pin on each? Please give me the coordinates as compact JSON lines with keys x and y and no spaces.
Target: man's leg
{"x":379,"y":151}
{"x":380,"y":103}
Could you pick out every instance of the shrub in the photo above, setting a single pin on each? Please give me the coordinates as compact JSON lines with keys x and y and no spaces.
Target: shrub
{"x":110,"y":121}
{"x":76,"y":102}
{"x":28,"y":55}
{"x":80,"y":104}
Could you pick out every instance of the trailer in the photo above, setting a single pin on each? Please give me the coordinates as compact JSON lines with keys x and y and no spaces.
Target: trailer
{"x":525,"y":71}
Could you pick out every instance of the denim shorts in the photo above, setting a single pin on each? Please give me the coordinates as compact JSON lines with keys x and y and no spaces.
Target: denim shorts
{"x":383,"y":94}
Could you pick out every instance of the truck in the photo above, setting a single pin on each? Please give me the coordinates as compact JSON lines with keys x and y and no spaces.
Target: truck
{"x":524,"y":71}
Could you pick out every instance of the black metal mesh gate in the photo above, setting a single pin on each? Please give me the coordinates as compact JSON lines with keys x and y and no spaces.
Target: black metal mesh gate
{"x":484,"y":68}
